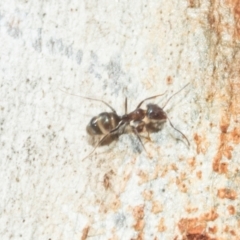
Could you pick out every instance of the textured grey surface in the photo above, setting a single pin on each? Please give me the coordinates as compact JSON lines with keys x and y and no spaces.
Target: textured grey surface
{"x":112,"y":50}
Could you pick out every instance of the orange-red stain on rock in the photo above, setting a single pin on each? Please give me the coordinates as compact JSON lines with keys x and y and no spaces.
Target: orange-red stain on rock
{"x":191,"y":209}
{"x":231,"y":209}
{"x":196,"y":228}
{"x":139,"y":237}
{"x":161,"y":226}
{"x":157,"y":207}
{"x":225,"y":122}
{"x":181,"y":182}
{"x":225,"y":149}
{"x":201,"y":236}
{"x":235,"y":6}
{"x":85,"y":233}
{"x":147,"y":195}
{"x":144,"y":177}
{"x":211,"y":216}
{"x":235,"y":135}
{"x":201,"y":143}
{"x":212,"y":230}
{"x":192,"y":226}
{"x":192,"y":162}
{"x":193,"y":3}
{"x":199,"y":174}
{"x":169,"y":80}
{"x":107,"y":179}
{"x":138,"y":214}
{"x":236,"y":11}
{"x":227,"y":193}
{"x":230,"y":230}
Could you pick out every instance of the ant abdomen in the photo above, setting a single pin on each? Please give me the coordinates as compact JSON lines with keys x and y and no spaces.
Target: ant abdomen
{"x":103,"y":123}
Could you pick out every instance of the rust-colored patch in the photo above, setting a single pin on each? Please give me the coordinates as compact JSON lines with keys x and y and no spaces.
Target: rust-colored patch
{"x":138,"y":214}
{"x":110,"y":203}
{"x":193,"y":3}
{"x":229,"y":229}
{"x":235,"y":135}
{"x":157,"y":207}
{"x":85,"y":233}
{"x":225,"y":150}
{"x":180,"y":182}
{"x":201,"y":236}
{"x":199,"y":174}
{"x":139,"y":236}
{"x":106,"y":179}
{"x":202,"y":144}
{"x":169,"y":80}
{"x":192,"y":226}
{"x":235,"y":5}
{"x":237,"y":11}
{"x":227,"y":193}
{"x":211,"y":216}
{"x":231,"y":110}
{"x":232,"y":232}
{"x":225,"y":122}
{"x":144,"y":177}
{"x":212,"y":230}
{"x":191,"y":210}
{"x":147,"y":195}
{"x":223,"y":168}
{"x":164,"y":171}
{"x":174,"y":167}
{"x":196,"y":228}
{"x":192,"y":162}
{"x":231,"y":209}
{"x":217,"y":23}
{"x":161,"y":226}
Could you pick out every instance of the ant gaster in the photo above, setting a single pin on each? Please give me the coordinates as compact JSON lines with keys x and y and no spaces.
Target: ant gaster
{"x":110,"y":123}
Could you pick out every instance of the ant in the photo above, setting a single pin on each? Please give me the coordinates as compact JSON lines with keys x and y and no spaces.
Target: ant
{"x":110,"y":123}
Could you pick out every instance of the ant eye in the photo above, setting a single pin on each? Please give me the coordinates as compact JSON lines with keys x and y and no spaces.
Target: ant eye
{"x":154,"y":112}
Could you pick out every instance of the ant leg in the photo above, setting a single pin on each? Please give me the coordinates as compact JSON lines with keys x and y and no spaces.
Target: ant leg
{"x":103,"y":139}
{"x":138,"y":136}
{"x":94,"y":99}
{"x":125,"y":105}
{"x":179,"y":131}
{"x":123,"y":129}
{"x":139,"y":105}
{"x":98,"y":144}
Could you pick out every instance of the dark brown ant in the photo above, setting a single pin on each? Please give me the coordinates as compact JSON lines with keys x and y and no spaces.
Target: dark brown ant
{"x":110,"y":123}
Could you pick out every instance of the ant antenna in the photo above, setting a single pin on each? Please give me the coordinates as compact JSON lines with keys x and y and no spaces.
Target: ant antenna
{"x":174,"y":95}
{"x":178,"y":131}
{"x":94,"y":99}
{"x":126,"y":105}
{"x":139,"y":105}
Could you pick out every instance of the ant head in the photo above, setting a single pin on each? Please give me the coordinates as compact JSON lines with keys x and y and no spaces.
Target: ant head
{"x":154,"y":112}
